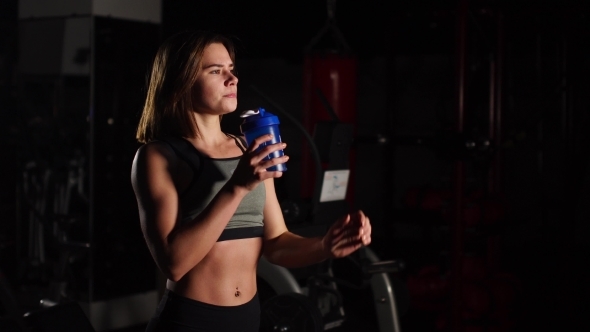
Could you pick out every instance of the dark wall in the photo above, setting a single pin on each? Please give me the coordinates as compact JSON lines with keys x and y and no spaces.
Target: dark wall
{"x":274,"y":29}
{"x":8,"y":129}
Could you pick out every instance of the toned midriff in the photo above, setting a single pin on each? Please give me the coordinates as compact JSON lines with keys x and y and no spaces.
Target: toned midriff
{"x":227,"y":270}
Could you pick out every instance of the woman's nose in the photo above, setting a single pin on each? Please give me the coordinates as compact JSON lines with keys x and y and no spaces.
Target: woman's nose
{"x":232,"y":79}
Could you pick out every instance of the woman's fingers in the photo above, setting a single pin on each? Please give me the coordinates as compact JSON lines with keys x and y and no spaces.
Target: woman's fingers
{"x":272,"y":162}
{"x":254,"y":167}
{"x":261,"y":168}
{"x":348,"y":234}
{"x":338,"y":229}
{"x":355,"y":232}
{"x":360,"y":218}
{"x":258,"y":155}
{"x":346,"y":237}
{"x":342,"y":236}
{"x":366,"y":230}
{"x":346,"y":247}
{"x":257,"y":141}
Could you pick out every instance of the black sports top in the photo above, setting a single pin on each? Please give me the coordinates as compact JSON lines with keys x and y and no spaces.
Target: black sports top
{"x":209,"y":175}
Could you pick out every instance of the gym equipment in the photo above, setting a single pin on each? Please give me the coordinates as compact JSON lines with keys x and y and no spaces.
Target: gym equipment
{"x":322,"y":289}
{"x":290,"y":312}
{"x":10,"y":308}
{"x":321,"y":283}
{"x":48,"y":230}
{"x":67,"y":316}
{"x":83,"y":93}
{"x":48,"y":317}
{"x":451,"y":146}
{"x":329,"y":90}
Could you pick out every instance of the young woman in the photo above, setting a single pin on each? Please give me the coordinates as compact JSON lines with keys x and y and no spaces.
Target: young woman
{"x":207,"y":205}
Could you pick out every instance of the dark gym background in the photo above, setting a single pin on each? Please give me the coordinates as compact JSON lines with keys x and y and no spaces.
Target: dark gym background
{"x":524,"y":220}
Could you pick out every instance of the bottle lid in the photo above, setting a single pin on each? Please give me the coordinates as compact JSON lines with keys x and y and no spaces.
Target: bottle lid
{"x":257,"y":118}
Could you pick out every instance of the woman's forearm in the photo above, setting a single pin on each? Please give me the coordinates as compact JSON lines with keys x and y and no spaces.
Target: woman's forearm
{"x":292,"y":251}
{"x":189,"y":244}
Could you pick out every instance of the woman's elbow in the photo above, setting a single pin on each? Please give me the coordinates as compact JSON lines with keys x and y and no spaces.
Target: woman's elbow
{"x":172,"y":271}
{"x":173,"y":274}
{"x":272,"y":256}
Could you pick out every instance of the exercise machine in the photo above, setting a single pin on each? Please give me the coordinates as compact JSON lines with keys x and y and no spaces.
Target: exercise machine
{"x":310,"y":299}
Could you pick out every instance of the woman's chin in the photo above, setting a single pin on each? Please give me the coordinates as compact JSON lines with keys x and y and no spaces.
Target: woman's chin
{"x":230,"y":108}
{"x":218,"y":111}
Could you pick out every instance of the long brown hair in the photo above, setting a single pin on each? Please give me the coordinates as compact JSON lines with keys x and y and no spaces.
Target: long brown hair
{"x":168,"y":107}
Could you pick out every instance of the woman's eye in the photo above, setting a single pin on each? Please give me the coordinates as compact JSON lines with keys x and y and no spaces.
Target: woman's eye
{"x":217,"y":71}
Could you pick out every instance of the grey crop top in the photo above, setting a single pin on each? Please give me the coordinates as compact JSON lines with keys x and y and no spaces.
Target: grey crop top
{"x":209,"y":175}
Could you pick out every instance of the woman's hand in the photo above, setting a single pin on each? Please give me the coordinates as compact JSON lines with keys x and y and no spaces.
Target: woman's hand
{"x":347,"y":235}
{"x":251,"y":169}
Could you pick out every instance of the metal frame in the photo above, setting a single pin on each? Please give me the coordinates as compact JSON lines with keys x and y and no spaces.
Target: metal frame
{"x":282,"y":281}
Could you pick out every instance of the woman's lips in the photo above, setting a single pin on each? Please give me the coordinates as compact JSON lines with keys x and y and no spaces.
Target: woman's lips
{"x":231,"y":95}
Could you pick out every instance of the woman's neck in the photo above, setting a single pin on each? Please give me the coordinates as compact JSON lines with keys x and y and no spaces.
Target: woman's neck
{"x":209,"y":132}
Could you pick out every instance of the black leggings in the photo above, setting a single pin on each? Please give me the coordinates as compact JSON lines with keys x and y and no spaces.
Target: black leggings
{"x":177,"y":313}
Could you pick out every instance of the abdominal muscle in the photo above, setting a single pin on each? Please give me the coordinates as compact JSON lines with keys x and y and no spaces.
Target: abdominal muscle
{"x":225,"y":277}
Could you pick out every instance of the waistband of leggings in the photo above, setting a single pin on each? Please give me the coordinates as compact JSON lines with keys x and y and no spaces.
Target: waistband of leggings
{"x":171,"y":295}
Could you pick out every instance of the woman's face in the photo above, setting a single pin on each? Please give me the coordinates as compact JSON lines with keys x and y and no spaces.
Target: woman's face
{"x":216,"y":88}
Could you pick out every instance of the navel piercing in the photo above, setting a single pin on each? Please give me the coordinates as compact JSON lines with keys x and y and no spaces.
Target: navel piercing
{"x":237,"y":292}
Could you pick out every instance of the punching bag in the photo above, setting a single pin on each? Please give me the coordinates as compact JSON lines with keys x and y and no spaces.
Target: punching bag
{"x":329,"y":94}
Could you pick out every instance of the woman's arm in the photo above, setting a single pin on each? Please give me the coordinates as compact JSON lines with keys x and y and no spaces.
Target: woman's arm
{"x":284,"y":248}
{"x":175,"y":249}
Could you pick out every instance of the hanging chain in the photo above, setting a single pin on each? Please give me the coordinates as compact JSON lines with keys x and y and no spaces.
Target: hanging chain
{"x":331,"y":4}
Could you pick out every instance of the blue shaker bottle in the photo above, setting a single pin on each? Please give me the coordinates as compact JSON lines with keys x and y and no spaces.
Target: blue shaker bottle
{"x":259,"y":122}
